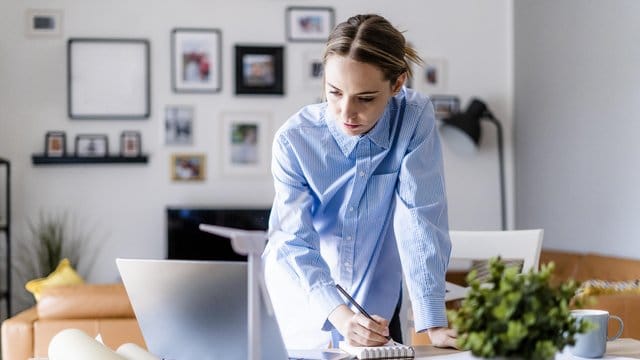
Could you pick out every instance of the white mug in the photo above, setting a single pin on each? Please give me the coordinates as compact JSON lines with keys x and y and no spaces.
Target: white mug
{"x":593,"y":343}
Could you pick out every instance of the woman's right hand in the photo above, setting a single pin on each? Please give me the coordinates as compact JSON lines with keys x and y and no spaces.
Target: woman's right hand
{"x":357,"y":329}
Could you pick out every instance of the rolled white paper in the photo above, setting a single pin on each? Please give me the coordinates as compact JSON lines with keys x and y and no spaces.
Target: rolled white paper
{"x":74,"y":344}
{"x":134,"y":352}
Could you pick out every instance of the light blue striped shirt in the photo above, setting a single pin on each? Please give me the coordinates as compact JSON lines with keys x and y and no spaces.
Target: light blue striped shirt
{"x":359,"y":210}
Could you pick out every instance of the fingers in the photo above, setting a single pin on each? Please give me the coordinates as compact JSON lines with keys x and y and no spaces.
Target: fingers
{"x":443,"y":337}
{"x":366,"y":332}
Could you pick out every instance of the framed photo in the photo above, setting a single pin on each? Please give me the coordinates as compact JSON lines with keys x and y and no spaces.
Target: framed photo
{"x":445,"y":105}
{"x":431,"y":78}
{"x":188,"y":167}
{"x":43,"y":22}
{"x":310,"y":24}
{"x":313,"y":70}
{"x":55,"y":144}
{"x":259,"y":70}
{"x":196,"y":60}
{"x":178,"y":125}
{"x":108,"y":78}
{"x":90,"y":145}
{"x":245,"y":142}
{"x":130,"y":144}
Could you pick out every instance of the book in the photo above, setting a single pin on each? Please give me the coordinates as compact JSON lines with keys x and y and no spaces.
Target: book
{"x":390,"y":350}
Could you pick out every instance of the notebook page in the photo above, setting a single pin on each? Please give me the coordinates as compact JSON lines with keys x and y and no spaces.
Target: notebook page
{"x":390,"y":350}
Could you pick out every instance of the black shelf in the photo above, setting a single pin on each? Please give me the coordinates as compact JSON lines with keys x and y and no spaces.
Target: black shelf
{"x":47,"y":160}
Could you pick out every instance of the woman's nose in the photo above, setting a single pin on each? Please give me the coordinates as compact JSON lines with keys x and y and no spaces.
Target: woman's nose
{"x":349,"y":111}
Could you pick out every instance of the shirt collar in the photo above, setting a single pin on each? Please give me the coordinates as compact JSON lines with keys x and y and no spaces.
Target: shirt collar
{"x":379,"y":135}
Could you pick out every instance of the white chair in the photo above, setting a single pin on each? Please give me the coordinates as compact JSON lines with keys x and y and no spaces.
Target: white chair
{"x":467,"y":246}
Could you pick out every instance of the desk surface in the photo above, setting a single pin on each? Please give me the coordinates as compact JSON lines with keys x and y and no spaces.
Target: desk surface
{"x":621,"y":348}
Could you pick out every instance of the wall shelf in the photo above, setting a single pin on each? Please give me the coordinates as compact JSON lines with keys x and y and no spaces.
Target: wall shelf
{"x":48,"y":160}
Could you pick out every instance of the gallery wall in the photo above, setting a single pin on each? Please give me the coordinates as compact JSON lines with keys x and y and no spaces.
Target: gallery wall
{"x":123,"y":206}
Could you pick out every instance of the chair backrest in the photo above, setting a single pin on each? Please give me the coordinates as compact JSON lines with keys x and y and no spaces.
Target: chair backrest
{"x":480,"y":245}
{"x":509,"y":244}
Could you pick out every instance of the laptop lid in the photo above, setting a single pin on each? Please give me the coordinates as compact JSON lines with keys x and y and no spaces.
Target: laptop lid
{"x":196,"y":309}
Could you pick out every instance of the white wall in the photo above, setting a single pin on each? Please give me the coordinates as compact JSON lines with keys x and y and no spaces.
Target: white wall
{"x":577,"y":96}
{"x":124,"y":204}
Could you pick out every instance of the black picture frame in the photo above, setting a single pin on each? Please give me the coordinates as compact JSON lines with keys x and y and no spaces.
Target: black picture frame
{"x":91,"y":145}
{"x":108,"y":78}
{"x":445,"y":105}
{"x":55,"y":144}
{"x":130,"y":144}
{"x":196,"y":60}
{"x":259,"y":70}
{"x":309,"y":24}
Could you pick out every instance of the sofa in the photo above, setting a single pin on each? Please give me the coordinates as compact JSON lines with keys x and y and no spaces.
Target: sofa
{"x":584,"y":268}
{"x":93,"y":308}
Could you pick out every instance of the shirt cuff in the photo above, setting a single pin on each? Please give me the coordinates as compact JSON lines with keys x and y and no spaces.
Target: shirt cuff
{"x":429,"y":313}
{"x":325,"y":299}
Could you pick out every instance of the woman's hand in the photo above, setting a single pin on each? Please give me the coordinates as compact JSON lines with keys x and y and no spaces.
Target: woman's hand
{"x":357,"y":329}
{"x":443,"y":337}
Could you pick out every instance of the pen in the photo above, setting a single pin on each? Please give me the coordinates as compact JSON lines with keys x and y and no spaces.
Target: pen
{"x":360,"y":308}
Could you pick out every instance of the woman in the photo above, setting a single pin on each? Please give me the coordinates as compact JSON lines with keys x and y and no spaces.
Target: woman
{"x":359,"y":199}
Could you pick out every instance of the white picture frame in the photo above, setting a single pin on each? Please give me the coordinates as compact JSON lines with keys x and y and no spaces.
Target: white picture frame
{"x":245,"y":143}
{"x":196,"y":60}
{"x":431,"y":78}
{"x":312,"y":70}
{"x":121,"y":87}
{"x":178,"y":125}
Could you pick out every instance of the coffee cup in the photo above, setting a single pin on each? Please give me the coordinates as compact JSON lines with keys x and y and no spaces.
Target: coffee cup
{"x":593,"y":343}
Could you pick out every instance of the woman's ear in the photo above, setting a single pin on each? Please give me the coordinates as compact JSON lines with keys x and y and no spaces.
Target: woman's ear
{"x":399,"y":82}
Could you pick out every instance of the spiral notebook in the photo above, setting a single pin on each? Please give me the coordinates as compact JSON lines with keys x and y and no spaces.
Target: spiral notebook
{"x":390,"y":350}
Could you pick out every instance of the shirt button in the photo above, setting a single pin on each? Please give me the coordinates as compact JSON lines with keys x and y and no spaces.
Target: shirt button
{"x":349,"y":238}
{"x":347,"y":264}
{"x":362,"y":173}
{"x":351,"y":208}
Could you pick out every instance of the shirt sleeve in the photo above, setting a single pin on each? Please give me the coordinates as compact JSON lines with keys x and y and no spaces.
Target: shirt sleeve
{"x":421,"y":222}
{"x":292,"y":235}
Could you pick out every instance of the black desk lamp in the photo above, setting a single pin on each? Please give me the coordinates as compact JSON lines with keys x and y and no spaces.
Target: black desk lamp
{"x":468,"y":122}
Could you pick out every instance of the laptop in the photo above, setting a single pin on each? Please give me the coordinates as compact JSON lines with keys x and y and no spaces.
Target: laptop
{"x":196,"y":310}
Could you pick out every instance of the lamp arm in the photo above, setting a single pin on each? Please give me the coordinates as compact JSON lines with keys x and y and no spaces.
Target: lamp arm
{"x":503,"y":200}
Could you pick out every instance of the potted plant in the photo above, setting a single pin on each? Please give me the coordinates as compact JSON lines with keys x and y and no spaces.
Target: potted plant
{"x":517,"y":315}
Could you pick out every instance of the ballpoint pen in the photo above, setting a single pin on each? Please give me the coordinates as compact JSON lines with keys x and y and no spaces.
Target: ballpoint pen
{"x":360,"y":308}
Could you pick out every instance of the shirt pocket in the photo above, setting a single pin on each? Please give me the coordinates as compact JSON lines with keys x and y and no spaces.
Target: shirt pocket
{"x":379,"y":195}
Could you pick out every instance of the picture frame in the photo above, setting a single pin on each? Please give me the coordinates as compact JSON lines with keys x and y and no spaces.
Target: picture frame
{"x":196,"y":60}
{"x":445,"y":105}
{"x":178,"y":124}
{"x":43,"y":23}
{"x":245,"y":143}
{"x":130,"y":144}
{"x":431,"y":77}
{"x":313,"y":70}
{"x":55,"y":144}
{"x":188,"y":167}
{"x":91,"y":145}
{"x":259,"y":70}
{"x":309,"y":24}
{"x":120,"y":90}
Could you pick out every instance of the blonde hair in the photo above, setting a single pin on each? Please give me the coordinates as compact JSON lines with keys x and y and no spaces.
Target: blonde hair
{"x":372,"y":39}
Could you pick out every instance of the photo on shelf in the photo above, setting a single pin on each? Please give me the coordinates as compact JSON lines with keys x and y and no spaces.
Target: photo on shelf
{"x":92,"y":145}
{"x":55,"y":144}
{"x":188,"y":167}
{"x":178,"y":125}
{"x":130,"y":144}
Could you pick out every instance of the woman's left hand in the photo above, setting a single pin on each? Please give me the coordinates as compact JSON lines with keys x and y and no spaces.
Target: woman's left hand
{"x":443,"y":337}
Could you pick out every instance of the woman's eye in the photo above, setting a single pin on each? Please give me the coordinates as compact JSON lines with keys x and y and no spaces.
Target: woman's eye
{"x":367,"y":99}
{"x":334,"y":93}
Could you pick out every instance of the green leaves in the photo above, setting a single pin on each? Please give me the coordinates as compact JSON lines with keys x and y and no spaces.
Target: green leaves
{"x":516,"y":315}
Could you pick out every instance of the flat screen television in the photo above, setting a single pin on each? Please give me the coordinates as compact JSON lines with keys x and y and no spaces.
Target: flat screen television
{"x":185,"y":241}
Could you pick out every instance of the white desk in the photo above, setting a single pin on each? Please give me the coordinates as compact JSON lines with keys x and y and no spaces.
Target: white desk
{"x":618,"y":349}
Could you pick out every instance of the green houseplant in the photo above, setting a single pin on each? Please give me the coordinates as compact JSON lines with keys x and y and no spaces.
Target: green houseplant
{"x":514,"y":315}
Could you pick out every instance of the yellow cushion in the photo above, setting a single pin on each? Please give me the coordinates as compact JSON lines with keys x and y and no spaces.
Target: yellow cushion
{"x":64,"y":274}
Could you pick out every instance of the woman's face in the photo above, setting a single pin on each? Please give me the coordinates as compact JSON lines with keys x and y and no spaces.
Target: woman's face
{"x":357,"y":93}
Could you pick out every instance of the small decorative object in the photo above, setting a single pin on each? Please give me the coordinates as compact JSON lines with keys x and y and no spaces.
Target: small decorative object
{"x":178,"y":122}
{"x":432,"y":76}
{"x":311,"y":24}
{"x":55,"y":144}
{"x":108,"y":78}
{"x":91,"y":145}
{"x":259,"y":70}
{"x":196,"y":60}
{"x":130,"y":144}
{"x":445,"y":105}
{"x":43,"y":23}
{"x":516,"y":315}
{"x":187,"y":167}
{"x":245,"y":144}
